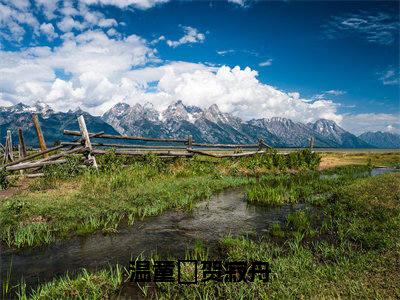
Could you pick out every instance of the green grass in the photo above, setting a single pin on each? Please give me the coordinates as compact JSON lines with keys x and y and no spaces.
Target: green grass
{"x":355,"y":254}
{"x":69,"y":200}
{"x":86,"y":285}
{"x":304,"y":186}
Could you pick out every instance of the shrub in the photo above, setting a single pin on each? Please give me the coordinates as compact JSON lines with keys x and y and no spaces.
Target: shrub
{"x":4,"y":182}
{"x":70,"y":169}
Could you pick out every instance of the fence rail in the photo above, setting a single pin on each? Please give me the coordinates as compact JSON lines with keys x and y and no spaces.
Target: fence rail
{"x":84,"y":145}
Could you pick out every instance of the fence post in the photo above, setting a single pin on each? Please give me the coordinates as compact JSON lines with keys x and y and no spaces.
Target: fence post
{"x":8,"y":151}
{"x":190,"y":141}
{"x":260,"y":144}
{"x":21,"y":143}
{"x":311,"y":143}
{"x":39,"y":133}
{"x":88,"y":144}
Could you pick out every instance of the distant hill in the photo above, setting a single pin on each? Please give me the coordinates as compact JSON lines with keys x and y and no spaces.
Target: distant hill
{"x":381,"y":139}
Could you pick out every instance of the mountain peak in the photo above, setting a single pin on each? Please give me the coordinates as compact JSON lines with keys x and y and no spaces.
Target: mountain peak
{"x":121,"y":106}
{"x":381,"y":139}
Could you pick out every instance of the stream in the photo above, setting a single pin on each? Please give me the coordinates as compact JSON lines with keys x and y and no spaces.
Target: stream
{"x":171,"y":233}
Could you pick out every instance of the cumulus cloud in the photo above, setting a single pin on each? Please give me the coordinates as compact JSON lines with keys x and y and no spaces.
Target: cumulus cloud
{"x":94,"y":64}
{"x":48,"y":30}
{"x":100,"y":71}
{"x":238,"y":91}
{"x":192,"y":35}
{"x":360,"y":123}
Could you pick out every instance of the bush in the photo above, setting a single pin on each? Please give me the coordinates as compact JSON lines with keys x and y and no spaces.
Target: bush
{"x":4,"y":182}
{"x":70,"y":169}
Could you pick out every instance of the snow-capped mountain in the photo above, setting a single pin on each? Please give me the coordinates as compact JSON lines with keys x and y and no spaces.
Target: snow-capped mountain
{"x":52,"y":123}
{"x":208,"y":125}
{"x":335,"y":134}
{"x":212,"y":125}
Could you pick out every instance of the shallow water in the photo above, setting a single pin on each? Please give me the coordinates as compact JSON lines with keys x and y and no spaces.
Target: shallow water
{"x":171,"y":233}
{"x":373,"y":172}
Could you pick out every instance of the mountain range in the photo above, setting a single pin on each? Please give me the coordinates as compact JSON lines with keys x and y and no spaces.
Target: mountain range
{"x":178,"y":120}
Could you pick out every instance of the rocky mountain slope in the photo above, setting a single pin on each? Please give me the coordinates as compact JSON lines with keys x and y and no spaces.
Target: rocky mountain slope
{"x":208,"y":125}
{"x":381,"y":139}
{"x":52,"y":123}
{"x":213,"y":126}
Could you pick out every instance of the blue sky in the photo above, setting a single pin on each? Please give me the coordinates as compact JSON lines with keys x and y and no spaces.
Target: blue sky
{"x":301,"y":60}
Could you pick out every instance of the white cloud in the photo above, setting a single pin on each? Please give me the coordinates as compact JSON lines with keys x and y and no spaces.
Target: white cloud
{"x":157,"y":40}
{"x":101,"y":71}
{"x":335,"y":92}
{"x":224,"y":52}
{"x":389,"y":77}
{"x":379,"y":28}
{"x":324,"y":95}
{"x":15,"y":19}
{"x":48,"y":7}
{"x":238,"y":91}
{"x":360,"y":123}
{"x":95,"y":66}
{"x":48,"y":30}
{"x":141,"y":4}
{"x":242,"y":3}
{"x":266,"y":63}
{"x":18,"y":18}
{"x":192,"y":35}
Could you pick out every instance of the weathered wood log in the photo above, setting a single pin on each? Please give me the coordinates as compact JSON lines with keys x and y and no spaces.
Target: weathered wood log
{"x":311,"y":143}
{"x":39,"y":133}
{"x":265,"y":144}
{"x":31,"y":165}
{"x":9,"y":146}
{"x":225,"y":155}
{"x":65,"y":153}
{"x":33,"y":156}
{"x":34,"y":175}
{"x":140,"y":153}
{"x":21,"y":143}
{"x":125,"y":146}
{"x":80,"y":141}
{"x":86,"y":137}
{"x":225,"y":145}
{"x":190,"y":142}
{"x":127,"y":137}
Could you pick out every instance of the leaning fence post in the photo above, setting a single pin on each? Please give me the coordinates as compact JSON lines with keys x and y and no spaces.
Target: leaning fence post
{"x":8,"y":151}
{"x":88,"y":144}
{"x":260,"y":144}
{"x":21,"y":143}
{"x":39,"y":133}
{"x":10,"y":147}
{"x":311,"y":143}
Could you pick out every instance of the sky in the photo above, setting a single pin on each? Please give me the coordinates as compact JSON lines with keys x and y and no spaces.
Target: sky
{"x":254,"y":59}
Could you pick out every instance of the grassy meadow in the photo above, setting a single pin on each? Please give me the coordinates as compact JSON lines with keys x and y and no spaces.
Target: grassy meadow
{"x":344,"y":244}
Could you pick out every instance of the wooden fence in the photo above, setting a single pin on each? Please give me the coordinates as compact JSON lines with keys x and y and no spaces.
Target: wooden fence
{"x":86,"y":145}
